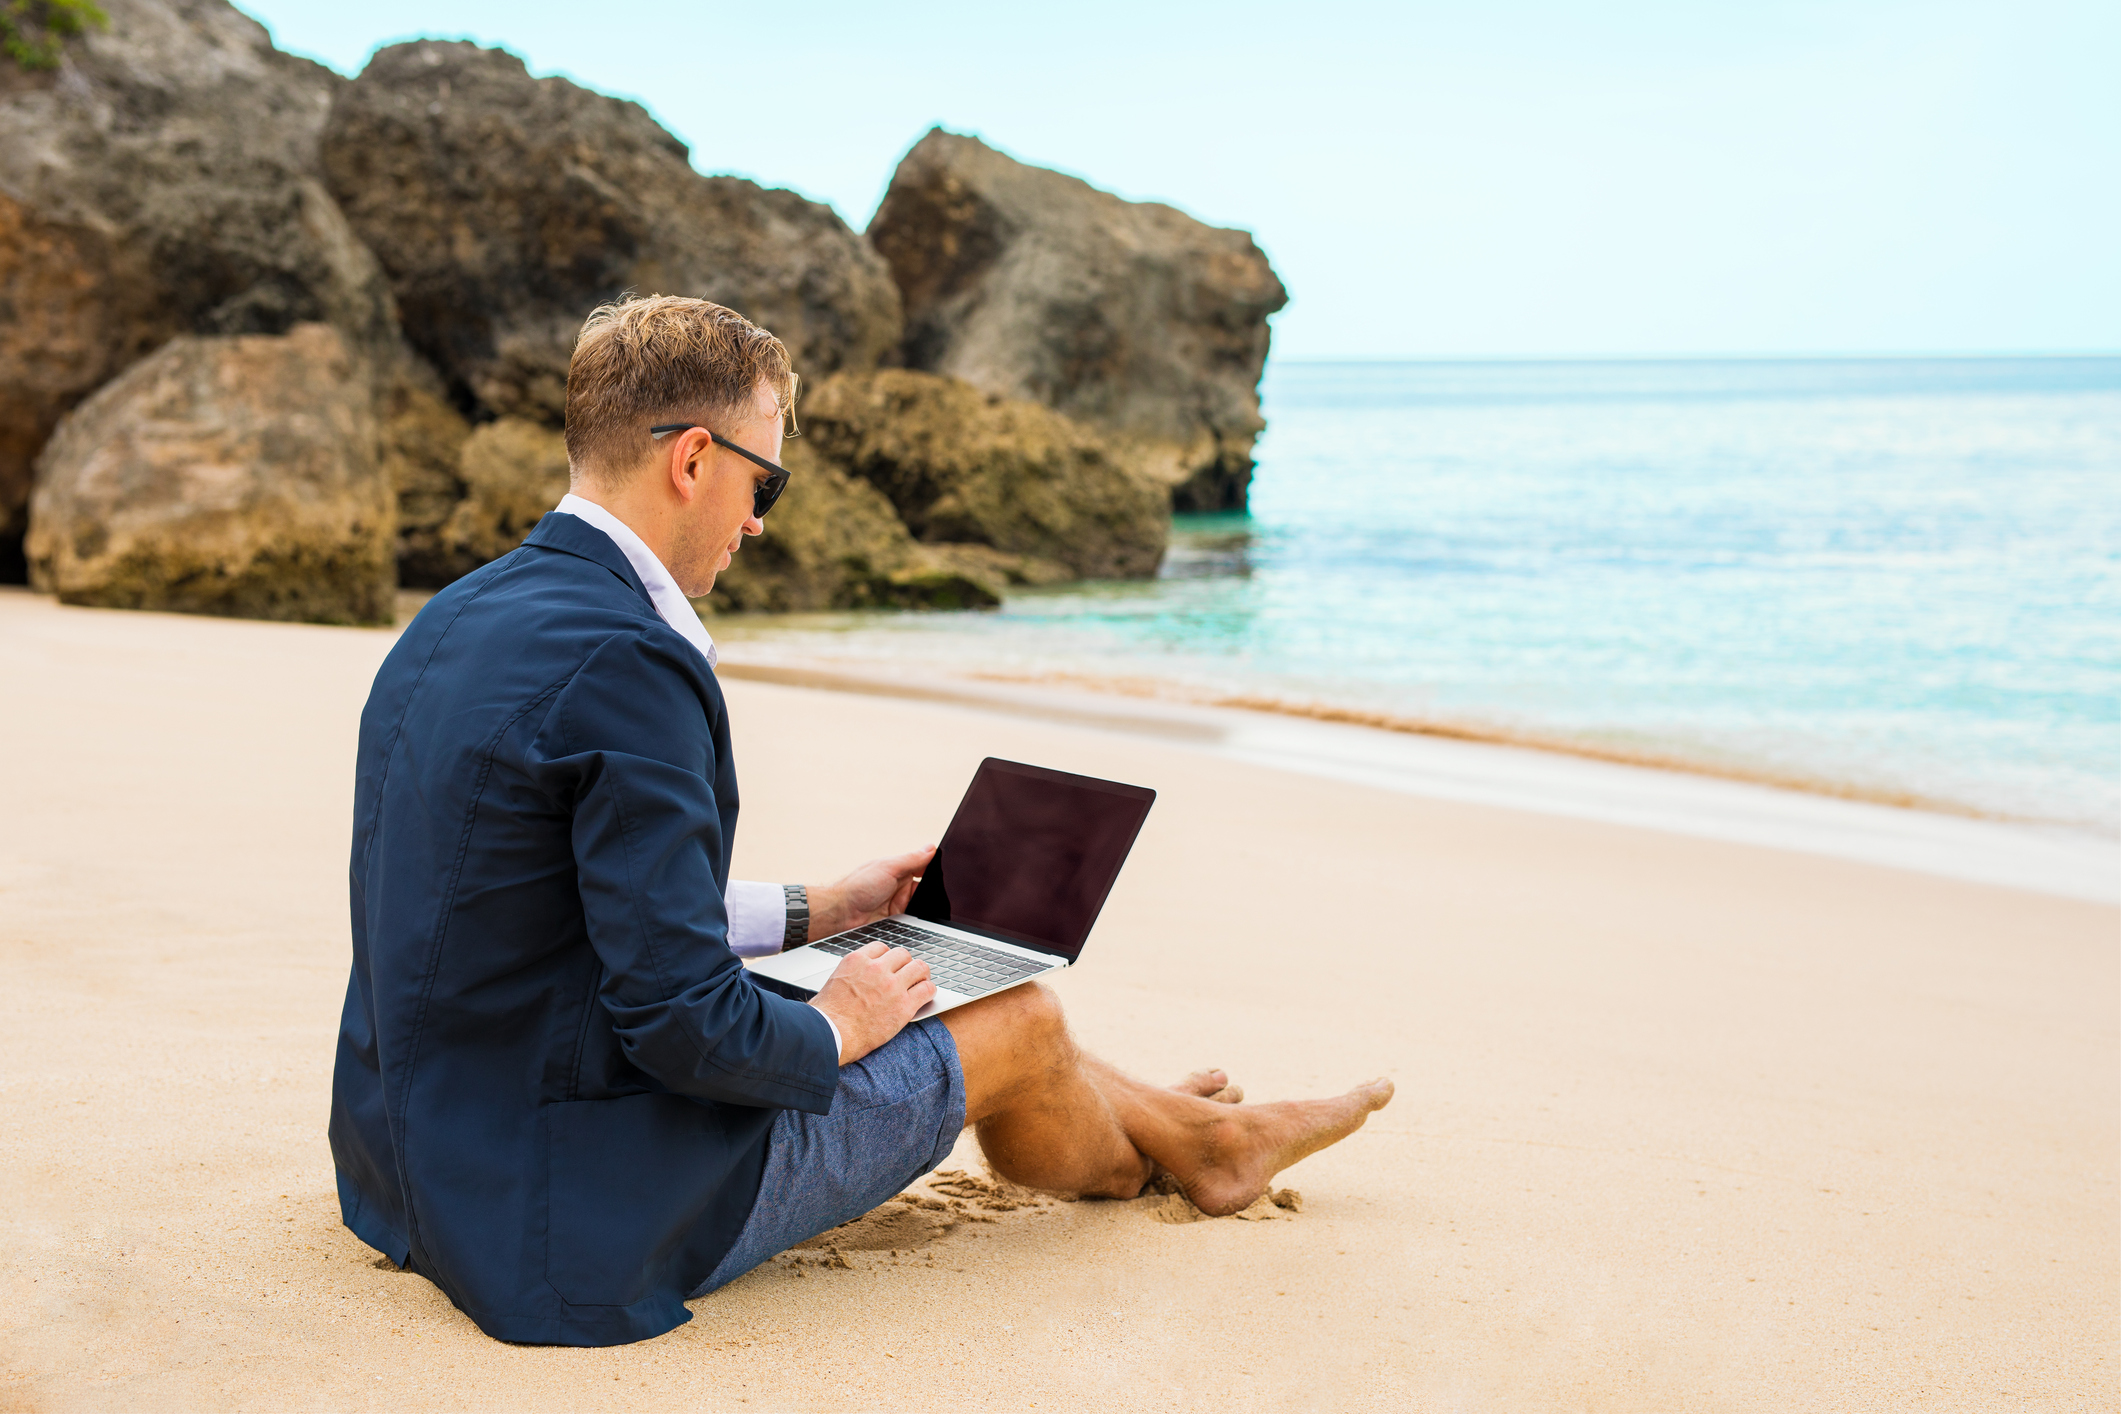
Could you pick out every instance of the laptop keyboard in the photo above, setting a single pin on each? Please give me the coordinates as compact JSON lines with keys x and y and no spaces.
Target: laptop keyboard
{"x":954,"y":963}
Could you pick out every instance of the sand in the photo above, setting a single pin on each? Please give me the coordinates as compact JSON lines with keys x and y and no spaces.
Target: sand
{"x":1682,"y":1123}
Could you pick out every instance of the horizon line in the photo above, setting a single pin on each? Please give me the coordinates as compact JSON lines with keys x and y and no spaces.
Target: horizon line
{"x":1961,"y":356}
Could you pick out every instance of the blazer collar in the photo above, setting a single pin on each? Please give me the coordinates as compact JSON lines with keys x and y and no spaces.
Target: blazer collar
{"x":571,"y":535}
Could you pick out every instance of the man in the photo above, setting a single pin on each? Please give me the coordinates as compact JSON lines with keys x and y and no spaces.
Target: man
{"x":558,"y":1094}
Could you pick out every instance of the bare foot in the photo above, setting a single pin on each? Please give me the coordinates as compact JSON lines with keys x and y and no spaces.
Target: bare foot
{"x":1243,"y":1150}
{"x":1211,"y":1085}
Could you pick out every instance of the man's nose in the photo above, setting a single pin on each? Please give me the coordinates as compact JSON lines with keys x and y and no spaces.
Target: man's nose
{"x":754,"y":526}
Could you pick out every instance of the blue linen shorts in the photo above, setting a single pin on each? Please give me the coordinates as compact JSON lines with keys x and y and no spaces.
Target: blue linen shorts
{"x":896,"y":1115}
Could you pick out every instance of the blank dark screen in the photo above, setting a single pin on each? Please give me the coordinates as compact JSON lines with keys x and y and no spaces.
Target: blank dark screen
{"x":1031,"y":854}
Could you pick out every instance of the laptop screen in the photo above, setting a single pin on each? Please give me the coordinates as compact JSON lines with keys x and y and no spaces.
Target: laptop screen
{"x":1031,"y":854}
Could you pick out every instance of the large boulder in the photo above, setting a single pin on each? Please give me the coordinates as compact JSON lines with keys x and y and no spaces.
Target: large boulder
{"x":162,"y":180}
{"x":75,"y":306}
{"x":1128,"y":315}
{"x":962,"y":467}
{"x":423,"y":440}
{"x":833,"y":542}
{"x":505,"y":207}
{"x":512,"y":472}
{"x":469,"y":495}
{"x":222,"y":475}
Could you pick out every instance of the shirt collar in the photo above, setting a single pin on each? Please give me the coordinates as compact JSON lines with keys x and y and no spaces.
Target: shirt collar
{"x":669,"y":601}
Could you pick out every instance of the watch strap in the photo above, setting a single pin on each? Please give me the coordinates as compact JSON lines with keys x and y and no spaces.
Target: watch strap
{"x":796,"y":931}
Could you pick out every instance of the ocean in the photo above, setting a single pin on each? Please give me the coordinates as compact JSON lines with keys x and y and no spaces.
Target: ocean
{"x":1896,"y":579}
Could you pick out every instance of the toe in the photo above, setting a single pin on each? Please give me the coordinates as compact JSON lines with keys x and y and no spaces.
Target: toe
{"x":1202,"y":1082}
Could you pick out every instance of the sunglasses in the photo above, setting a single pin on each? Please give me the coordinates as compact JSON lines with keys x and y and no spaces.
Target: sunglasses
{"x":765,"y":493}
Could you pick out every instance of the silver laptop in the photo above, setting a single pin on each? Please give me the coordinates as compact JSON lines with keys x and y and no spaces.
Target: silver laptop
{"x":1018,"y":879}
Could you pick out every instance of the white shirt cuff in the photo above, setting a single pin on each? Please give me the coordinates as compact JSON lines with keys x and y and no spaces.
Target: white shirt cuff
{"x":758,"y":918}
{"x":836,"y":1046}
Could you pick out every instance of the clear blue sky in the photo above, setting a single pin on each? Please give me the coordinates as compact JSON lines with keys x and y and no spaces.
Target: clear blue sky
{"x":1506,"y":178}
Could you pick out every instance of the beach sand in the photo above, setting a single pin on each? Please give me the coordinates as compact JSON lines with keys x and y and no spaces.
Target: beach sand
{"x":1681,"y":1123}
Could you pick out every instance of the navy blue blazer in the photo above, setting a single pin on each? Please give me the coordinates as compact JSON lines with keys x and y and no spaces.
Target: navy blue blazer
{"x":554,"y":1080}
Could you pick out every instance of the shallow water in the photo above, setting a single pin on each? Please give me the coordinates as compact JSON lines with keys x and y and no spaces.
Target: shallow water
{"x":1890,"y":576}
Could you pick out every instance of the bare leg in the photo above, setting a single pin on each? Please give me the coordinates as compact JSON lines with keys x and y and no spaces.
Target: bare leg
{"x":1043,"y":1120}
{"x":1051,"y":1117}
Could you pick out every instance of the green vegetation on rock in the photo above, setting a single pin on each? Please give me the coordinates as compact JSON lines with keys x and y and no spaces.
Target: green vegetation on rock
{"x":32,"y":31}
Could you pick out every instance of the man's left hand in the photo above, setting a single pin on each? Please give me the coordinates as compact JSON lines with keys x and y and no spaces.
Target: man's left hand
{"x":878,"y":889}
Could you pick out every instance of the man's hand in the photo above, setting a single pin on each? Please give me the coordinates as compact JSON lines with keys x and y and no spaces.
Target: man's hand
{"x":878,"y":889}
{"x":871,"y":996}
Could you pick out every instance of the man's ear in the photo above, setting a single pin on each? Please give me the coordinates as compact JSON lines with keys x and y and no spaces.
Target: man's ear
{"x":687,"y":462}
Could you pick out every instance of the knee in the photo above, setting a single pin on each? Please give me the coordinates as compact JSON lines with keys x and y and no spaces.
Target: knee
{"x":1035,"y":1015}
{"x":1010,"y":1043}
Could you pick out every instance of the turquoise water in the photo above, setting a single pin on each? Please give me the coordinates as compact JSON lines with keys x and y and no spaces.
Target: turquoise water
{"x":1892,"y":575}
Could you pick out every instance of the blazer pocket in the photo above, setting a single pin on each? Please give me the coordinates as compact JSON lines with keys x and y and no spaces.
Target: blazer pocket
{"x":631,"y":1185}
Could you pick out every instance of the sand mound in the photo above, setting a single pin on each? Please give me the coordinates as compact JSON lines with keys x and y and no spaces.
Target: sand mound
{"x":1167,"y":1203}
{"x":965,"y":1191}
{"x":906,"y":1223}
{"x":914,"y":1220}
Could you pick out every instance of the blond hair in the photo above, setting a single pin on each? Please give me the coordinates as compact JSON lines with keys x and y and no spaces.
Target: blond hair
{"x":663,"y":358}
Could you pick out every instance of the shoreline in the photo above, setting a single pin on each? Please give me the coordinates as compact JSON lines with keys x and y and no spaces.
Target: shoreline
{"x":1638,"y":791}
{"x":1492,"y":734}
{"x":743,"y":632}
{"x":1455,"y":762}
{"x":731,"y":633}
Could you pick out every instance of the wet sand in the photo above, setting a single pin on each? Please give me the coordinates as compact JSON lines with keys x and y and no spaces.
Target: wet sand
{"x":1681,"y":1123}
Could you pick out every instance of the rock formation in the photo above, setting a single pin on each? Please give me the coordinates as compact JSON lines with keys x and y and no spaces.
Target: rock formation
{"x":506,"y":207}
{"x":422,"y":442}
{"x":224,"y":239}
{"x":162,"y":180}
{"x":834,"y":542}
{"x":1128,"y":315}
{"x":915,"y":491}
{"x":225,"y":475}
{"x":1043,"y":497}
{"x":512,"y":472}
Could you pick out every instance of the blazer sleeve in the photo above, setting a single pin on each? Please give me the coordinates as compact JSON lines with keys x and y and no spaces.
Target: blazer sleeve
{"x":629,"y":746}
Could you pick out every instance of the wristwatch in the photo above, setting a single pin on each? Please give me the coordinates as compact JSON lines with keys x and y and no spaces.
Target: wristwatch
{"x":796,"y":931}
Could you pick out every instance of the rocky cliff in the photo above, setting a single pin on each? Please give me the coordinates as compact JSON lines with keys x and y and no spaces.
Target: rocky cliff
{"x":162,"y":180}
{"x":915,"y":491}
{"x":1051,"y":498}
{"x":303,"y":297}
{"x":835,"y":542}
{"x":505,"y":207}
{"x":1130,"y":316}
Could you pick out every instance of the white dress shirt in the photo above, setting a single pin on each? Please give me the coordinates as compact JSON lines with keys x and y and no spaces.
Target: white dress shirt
{"x":758,"y":913}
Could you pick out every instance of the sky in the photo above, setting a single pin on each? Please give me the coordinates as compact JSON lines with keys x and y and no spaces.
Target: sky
{"x":1505,"y":179}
